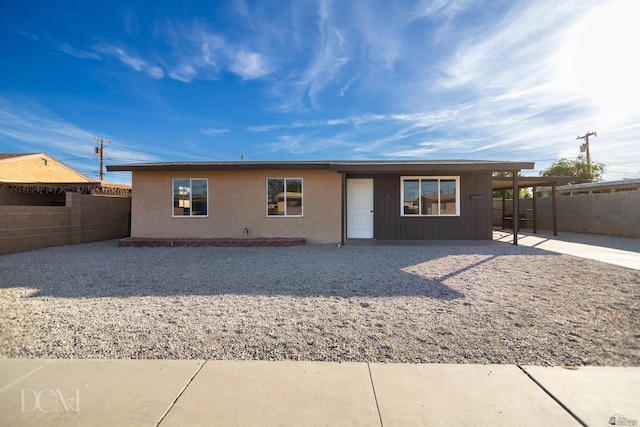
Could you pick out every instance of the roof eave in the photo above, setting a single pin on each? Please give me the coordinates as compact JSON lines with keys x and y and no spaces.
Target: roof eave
{"x":179,"y":167}
{"x":456,"y":167}
{"x":337,"y":166}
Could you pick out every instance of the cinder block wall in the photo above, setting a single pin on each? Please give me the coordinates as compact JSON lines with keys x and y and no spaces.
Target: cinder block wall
{"x":23,"y":228}
{"x":613,"y":214}
{"x":84,"y":219}
{"x":105,"y":218}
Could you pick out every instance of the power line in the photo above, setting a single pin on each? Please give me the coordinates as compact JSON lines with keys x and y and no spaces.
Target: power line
{"x":76,"y":158}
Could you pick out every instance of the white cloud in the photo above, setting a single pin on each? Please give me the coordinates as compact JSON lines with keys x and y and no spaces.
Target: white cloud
{"x":210,"y":47}
{"x":42,"y":36}
{"x":513,"y":53}
{"x":248,"y":65}
{"x":379,"y":34}
{"x":184,"y":72}
{"x":133,"y":61}
{"x":439,"y":8}
{"x":547,"y":72}
{"x":197,"y":52}
{"x":520,"y":86}
{"x":155,"y":72}
{"x":84,"y":54}
{"x":130,"y":23}
{"x":214,"y":131}
{"x":304,"y":144}
{"x":37,"y":129}
{"x":31,"y":128}
{"x":325,"y":58}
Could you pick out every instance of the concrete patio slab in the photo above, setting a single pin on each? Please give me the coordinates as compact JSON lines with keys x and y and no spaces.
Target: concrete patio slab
{"x":594,"y":394}
{"x":442,"y":394}
{"x":615,"y":250}
{"x":92,"y":392}
{"x":262,"y":393}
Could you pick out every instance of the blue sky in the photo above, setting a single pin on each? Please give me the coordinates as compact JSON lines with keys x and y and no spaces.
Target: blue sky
{"x":321,"y":80}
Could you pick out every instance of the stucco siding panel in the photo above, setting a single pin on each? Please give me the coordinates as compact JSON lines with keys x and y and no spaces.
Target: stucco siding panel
{"x":237,"y":200}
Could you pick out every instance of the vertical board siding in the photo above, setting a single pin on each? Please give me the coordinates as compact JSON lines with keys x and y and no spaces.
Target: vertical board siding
{"x":474,"y":222}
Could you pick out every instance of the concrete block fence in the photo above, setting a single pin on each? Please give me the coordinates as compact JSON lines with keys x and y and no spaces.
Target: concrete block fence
{"x":83,"y":219}
{"x":612,"y":214}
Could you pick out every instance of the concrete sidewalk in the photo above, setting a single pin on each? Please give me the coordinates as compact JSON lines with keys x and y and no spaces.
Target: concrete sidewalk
{"x":620,"y":251}
{"x":208,"y":393}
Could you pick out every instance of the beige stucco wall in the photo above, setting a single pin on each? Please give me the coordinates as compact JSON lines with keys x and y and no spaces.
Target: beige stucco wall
{"x":31,"y":169}
{"x":237,"y":199}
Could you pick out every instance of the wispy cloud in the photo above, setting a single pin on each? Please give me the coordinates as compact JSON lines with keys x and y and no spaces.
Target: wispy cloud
{"x":26,"y":126}
{"x":248,"y":65}
{"x":183,"y":72}
{"x":130,"y":23}
{"x":42,"y":36}
{"x":379,"y":35}
{"x":198,"y":52}
{"x":78,"y":53}
{"x":378,"y":79}
{"x":301,"y":124}
{"x":498,"y":95}
{"x":307,"y":144}
{"x":510,"y":54}
{"x":328,"y":54}
{"x":214,"y":131}
{"x":439,"y":9}
{"x":34,"y":127}
{"x":132,"y":61}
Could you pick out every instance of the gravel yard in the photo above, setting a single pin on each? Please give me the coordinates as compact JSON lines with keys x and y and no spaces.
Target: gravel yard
{"x":480,"y":303}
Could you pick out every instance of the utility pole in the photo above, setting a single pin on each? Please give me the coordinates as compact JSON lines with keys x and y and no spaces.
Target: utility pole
{"x":585,"y":148}
{"x":100,"y":151}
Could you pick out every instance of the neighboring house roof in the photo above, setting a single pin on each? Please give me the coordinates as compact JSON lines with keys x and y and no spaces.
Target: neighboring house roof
{"x":334,"y":165}
{"x":613,"y":184}
{"x":41,"y":173}
{"x":12,"y":155}
{"x":605,"y":187}
{"x":25,"y":167}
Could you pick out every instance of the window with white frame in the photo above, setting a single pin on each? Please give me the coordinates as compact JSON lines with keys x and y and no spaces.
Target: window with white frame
{"x":190,"y":197}
{"x":430,"y":196}
{"x":284,"y":197}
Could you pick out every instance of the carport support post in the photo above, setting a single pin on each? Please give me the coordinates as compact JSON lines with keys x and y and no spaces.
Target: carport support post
{"x":535,"y":223}
{"x":343,"y":204}
{"x":516,"y":207}
{"x":554,"y":209}
{"x":504,"y":207}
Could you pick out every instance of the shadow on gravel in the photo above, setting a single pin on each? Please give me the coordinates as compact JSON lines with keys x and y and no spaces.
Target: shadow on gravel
{"x":104,"y":270}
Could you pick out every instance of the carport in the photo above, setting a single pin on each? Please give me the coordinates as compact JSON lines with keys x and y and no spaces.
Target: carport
{"x":515,"y":183}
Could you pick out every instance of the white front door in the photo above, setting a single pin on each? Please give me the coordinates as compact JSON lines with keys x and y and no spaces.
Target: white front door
{"x":359,"y":208}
